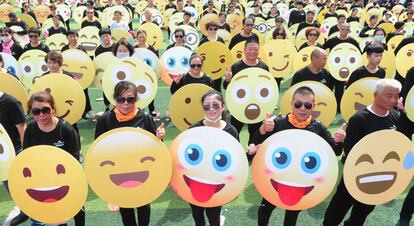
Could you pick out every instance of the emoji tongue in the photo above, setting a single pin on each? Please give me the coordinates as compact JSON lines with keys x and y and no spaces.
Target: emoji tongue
{"x":49,"y":200}
{"x":202,"y":192}
{"x":290,"y":195}
{"x":130,"y":184}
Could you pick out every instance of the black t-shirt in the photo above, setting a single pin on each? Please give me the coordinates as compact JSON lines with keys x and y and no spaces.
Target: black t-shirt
{"x":66,"y":47}
{"x":42,"y":47}
{"x":328,"y":14}
{"x":304,"y":25}
{"x":16,"y":50}
{"x":60,"y":30}
{"x":363,"y":33}
{"x":296,"y":17}
{"x":304,"y":45}
{"x":63,"y":136}
{"x":94,"y":23}
{"x":332,"y":42}
{"x":188,"y":79}
{"x":368,"y":44}
{"x":333,"y":29}
{"x":323,"y":77}
{"x":362,"y":72}
{"x":100,"y":49}
{"x":240,"y":65}
{"x":239,"y":38}
{"x":405,"y":125}
{"x":404,"y":42}
{"x":173,"y":45}
{"x":225,"y":26}
{"x":20,"y":24}
{"x":205,"y":39}
{"x":11,"y":114}
{"x":229,"y":128}
{"x":352,"y":19}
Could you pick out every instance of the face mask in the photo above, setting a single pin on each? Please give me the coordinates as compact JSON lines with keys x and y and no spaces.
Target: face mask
{"x":122,"y":55}
{"x":211,"y":119}
{"x":379,"y":38}
{"x":6,"y":38}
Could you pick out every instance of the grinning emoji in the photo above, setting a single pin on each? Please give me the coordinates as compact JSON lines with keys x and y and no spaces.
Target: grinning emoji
{"x":280,"y":57}
{"x":217,"y":58}
{"x":343,"y":59}
{"x":32,"y":66}
{"x":80,"y":65}
{"x":89,"y":39}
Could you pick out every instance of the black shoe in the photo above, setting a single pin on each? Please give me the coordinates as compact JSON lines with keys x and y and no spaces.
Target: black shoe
{"x":20,"y":218}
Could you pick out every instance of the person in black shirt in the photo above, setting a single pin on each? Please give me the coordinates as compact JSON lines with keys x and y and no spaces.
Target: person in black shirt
{"x":73,"y":41}
{"x":179,"y":35}
{"x":309,"y":22}
{"x":35,"y":43}
{"x":257,"y":12}
{"x":297,"y":15}
{"x":170,"y":5}
{"x":379,"y":36}
{"x":273,"y":13}
{"x":372,"y":69}
{"x":246,"y":33}
{"x":9,"y":44}
{"x":90,"y":20}
{"x":341,"y":20}
{"x":16,"y":22}
{"x":373,"y":20}
{"x":148,"y":17}
{"x":409,"y":16}
{"x":312,"y":35}
{"x":378,"y":116}
{"x":26,"y":10}
{"x":56,"y":28}
{"x":399,"y":30}
{"x":209,"y":9}
{"x":186,"y":19}
{"x":331,"y":12}
{"x":222,"y":22}
{"x":303,"y":103}
{"x":353,"y":17}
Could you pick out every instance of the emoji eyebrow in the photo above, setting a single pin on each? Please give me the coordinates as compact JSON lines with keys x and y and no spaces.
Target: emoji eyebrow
{"x":322,"y":103}
{"x":243,"y":76}
{"x":353,"y":50}
{"x":391,"y":155}
{"x":338,"y":49}
{"x":359,"y":94}
{"x":222,"y":56}
{"x":83,"y":67}
{"x":129,"y":62}
{"x":107,"y":162}
{"x":25,"y":57}
{"x":364,"y":158}
{"x":149,"y":158}
{"x":149,"y":76}
{"x":264,"y":76}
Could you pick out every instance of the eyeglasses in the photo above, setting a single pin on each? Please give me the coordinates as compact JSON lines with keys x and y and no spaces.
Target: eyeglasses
{"x":90,"y":12}
{"x":249,"y":25}
{"x":129,"y":100}
{"x":281,"y":34}
{"x":33,"y":36}
{"x":214,"y":106}
{"x":179,"y":36}
{"x":37,"y":111}
{"x":312,"y":34}
{"x":298,"y":104}
{"x":279,"y":21}
{"x":196,"y":65}
{"x":213,"y":29}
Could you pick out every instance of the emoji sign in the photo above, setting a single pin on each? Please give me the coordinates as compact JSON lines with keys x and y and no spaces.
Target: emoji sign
{"x":5,"y":10}
{"x":251,"y":93}
{"x":13,"y":87}
{"x":191,"y":37}
{"x":393,"y":43}
{"x":377,"y":172}
{"x":89,"y":39}
{"x":149,"y":58}
{"x":7,"y":153}
{"x":175,"y":61}
{"x":101,"y":62}
{"x":80,"y":65}
{"x":358,"y":96}
{"x":41,"y":12}
{"x":32,"y":65}
{"x":303,"y":58}
{"x":68,"y":95}
{"x":325,"y":110}
{"x":128,"y":167}
{"x":154,"y":35}
{"x":235,"y":22}
{"x":205,"y":173}
{"x":11,"y":64}
{"x":280,"y":57}
{"x":295,"y":175}
{"x":185,"y":105}
{"x":217,"y":58}
{"x":343,"y":59}
{"x":405,"y":58}
{"x":48,"y":184}
{"x":56,"y":42}
{"x":409,"y":104}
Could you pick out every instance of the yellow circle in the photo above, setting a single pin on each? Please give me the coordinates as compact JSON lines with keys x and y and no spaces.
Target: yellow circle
{"x":388,"y":27}
{"x":191,"y":36}
{"x":393,"y":43}
{"x":343,"y":59}
{"x":280,"y":56}
{"x":118,"y":33}
{"x":29,"y":20}
{"x":301,"y":38}
{"x":5,"y":10}
{"x":64,"y":11}
{"x":327,"y":24}
{"x":80,"y":65}
{"x":89,"y":39}
{"x":56,"y":42}
{"x":101,"y":62}
{"x":409,"y":104}
{"x":225,"y":35}
{"x":321,"y":15}
{"x":32,"y":66}
{"x":175,"y":19}
{"x":237,"y":52}
{"x":217,"y":58}
{"x":303,"y":58}
{"x":7,"y":155}
{"x":14,"y":88}
{"x":154,"y":35}
{"x":235,"y":23}
{"x":42,"y":12}
{"x":78,"y":13}
{"x":387,"y":62}
{"x":405,"y":58}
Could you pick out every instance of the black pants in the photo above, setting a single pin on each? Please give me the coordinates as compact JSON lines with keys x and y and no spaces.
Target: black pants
{"x":213,"y":215}
{"x":128,"y":215}
{"x":341,"y":202}
{"x":339,"y":92}
{"x":217,"y":84}
{"x":407,"y":208}
{"x":88,"y":106}
{"x":151,"y":106}
{"x":251,"y":127}
{"x":265,"y":211}
{"x":79,"y":218}
{"x":106,"y":101}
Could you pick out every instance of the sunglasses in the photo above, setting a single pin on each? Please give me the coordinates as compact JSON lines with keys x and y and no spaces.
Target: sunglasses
{"x":298,"y":104}
{"x":213,"y":29}
{"x":214,"y":106}
{"x":33,"y":36}
{"x":282,"y":34}
{"x":37,"y":111}
{"x":279,"y":21}
{"x":196,"y":65}
{"x":129,"y":100}
{"x":249,"y":25}
{"x":179,"y":36}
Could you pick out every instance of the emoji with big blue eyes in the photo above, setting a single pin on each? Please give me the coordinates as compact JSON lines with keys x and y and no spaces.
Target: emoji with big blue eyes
{"x":128,"y":167}
{"x":280,"y":56}
{"x":217,"y":58}
{"x":343,"y":59}
{"x":89,"y":39}
{"x":7,"y":153}
{"x":80,"y":65}
{"x":48,"y":184}
{"x":295,"y":175}
{"x":358,"y":96}
{"x":56,"y":42}
{"x":191,"y":37}
{"x":405,"y":58}
{"x":101,"y":62}
{"x":378,"y":172}
{"x":149,"y":58}
{"x":205,"y":173}
{"x":32,"y":65}
{"x":42,"y":12}
{"x":175,"y":61}
{"x":5,"y":10}
{"x":154,"y":35}
{"x":136,"y":71}
{"x":11,"y":64}
{"x":251,"y":94}
{"x":13,"y":87}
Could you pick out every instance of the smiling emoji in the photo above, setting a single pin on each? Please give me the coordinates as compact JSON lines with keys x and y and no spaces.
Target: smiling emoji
{"x":405,"y":58}
{"x":7,"y":153}
{"x":56,"y":42}
{"x":175,"y":61}
{"x":217,"y":58}
{"x":343,"y":59}
{"x":155,"y":36}
{"x":280,"y":57}
{"x":80,"y":65}
{"x":42,"y":12}
{"x":32,"y":66}
{"x":89,"y":39}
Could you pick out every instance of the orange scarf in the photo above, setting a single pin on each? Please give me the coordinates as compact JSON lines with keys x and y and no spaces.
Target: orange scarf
{"x":298,"y":124}
{"x":123,"y":118}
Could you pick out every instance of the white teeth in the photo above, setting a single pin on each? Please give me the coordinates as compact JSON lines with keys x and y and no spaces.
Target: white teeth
{"x":293,"y":184}
{"x":379,"y":178}
{"x":203,"y":180}
{"x":46,"y":189}
{"x":252,"y":107}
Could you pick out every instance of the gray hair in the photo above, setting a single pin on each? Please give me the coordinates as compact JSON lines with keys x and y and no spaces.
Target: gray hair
{"x":387,"y":83}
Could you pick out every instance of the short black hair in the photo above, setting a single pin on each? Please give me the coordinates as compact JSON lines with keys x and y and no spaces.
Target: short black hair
{"x":104,"y":31}
{"x":398,"y":24}
{"x":374,"y":49}
{"x":186,"y":13}
{"x":303,"y":91}
{"x":248,"y":17}
{"x":341,"y":15}
{"x":71,"y":32}
{"x":33,"y":30}
{"x":251,"y":40}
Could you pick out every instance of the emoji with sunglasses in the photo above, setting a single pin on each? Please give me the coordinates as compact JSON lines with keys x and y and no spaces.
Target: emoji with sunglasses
{"x":251,"y":93}
{"x":217,"y":58}
{"x":32,"y":65}
{"x":280,"y":55}
{"x":48,"y":184}
{"x":68,"y":95}
{"x":378,"y":172}
{"x":343,"y":59}
{"x":7,"y":153}
{"x":205,"y":173}
{"x":80,"y":65}
{"x":128,"y":167}
{"x":295,"y":175}
{"x":404,"y":58}
{"x":175,"y":61}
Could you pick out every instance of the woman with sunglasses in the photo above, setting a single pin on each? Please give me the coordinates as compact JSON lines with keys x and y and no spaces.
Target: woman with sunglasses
{"x":211,"y":28}
{"x":34,"y":35}
{"x":279,"y":33}
{"x":303,"y":103}
{"x":9,"y":44}
{"x":126,"y":114}
{"x":312,"y":35}
{"x":179,"y":35}
{"x":195,"y":75}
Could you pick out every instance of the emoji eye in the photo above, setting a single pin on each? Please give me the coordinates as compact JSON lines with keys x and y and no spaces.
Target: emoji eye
{"x":4,"y":152}
{"x":158,"y":19}
{"x":221,"y":160}
{"x":12,"y":69}
{"x":305,"y":58}
{"x":148,"y":61}
{"x":264,"y":92}
{"x":27,"y":172}
{"x":337,"y":60}
{"x":270,"y":54}
{"x":409,"y":53}
{"x":106,"y":162}
{"x":43,"y":68}
{"x":60,"y":169}
{"x":171,"y":62}
{"x":144,"y":89}
{"x":240,"y":93}
{"x":185,"y":61}
{"x":187,"y":100}
{"x":392,"y":155}
{"x":262,"y":28}
{"x":354,"y":60}
{"x":239,"y":54}
{"x":364,"y":158}
{"x":28,"y":69}
{"x":52,"y":44}
{"x":147,"y":158}
{"x":222,"y":60}
{"x":193,"y":154}
{"x":311,"y":162}
{"x":281,"y":158}
{"x":120,"y":74}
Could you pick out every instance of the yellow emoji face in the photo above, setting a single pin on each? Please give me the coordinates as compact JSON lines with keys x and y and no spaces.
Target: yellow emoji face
{"x":393,"y":43}
{"x":154,"y":35}
{"x":101,"y":62}
{"x":358,"y":96}
{"x":295,"y":175}
{"x":5,"y":10}
{"x":355,"y":27}
{"x":78,"y":13}
{"x":205,"y":173}
{"x":185,"y":105}
{"x":167,"y":15}
{"x":41,"y":12}
{"x":32,"y":65}
{"x":280,"y":57}
{"x":302,"y":58}
{"x":7,"y":153}
{"x":136,"y":71}
{"x":80,"y":65}
{"x":378,"y":172}
{"x":235,"y":22}
{"x":11,"y":64}
{"x":175,"y":19}
{"x":175,"y":61}
{"x":325,"y":110}
{"x":67,"y":93}
{"x":326,"y":25}
{"x":237,"y":52}
{"x":343,"y":59}
{"x":405,"y":58}
{"x":14,"y":87}
{"x":409,"y":105}
{"x":387,"y":62}
{"x":89,"y":39}
{"x":56,"y":42}
{"x":251,"y":94}
{"x":260,"y":25}
{"x":156,"y":17}
{"x":225,"y":35}
{"x":217,"y":58}
{"x":118,"y":33}
{"x":48,"y":184}
{"x":191,"y":37}
{"x":128,"y":167}
{"x":209,"y":17}
{"x":150,"y":59}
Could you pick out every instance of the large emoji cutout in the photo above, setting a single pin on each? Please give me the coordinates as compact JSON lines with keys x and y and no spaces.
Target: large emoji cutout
{"x":326,"y":25}
{"x":101,"y":62}
{"x":405,"y":58}
{"x":56,"y":42}
{"x":32,"y":66}
{"x":78,"y":14}
{"x":89,"y":39}
{"x":191,"y":37}
{"x":235,"y":22}
{"x":225,"y":35}
{"x":154,"y":35}
{"x":48,"y":184}
{"x":393,"y":43}
{"x":7,"y":153}
{"x":217,"y":58}
{"x":408,"y":29}
{"x":295,"y":175}
{"x":108,"y":14}
{"x":378,"y":172}
{"x":175,"y":61}
{"x":13,"y":87}
{"x":343,"y":59}
{"x":175,"y":19}
{"x":185,"y":105}
{"x":280,"y":57}
{"x":64,"y":11}
{"x":205,"y":173}
{"x":5,"y":10}
{"x":118,"y":33}
{"x":80,"y":65}
{"x":136,"y":71}
{"x":150,"y":59}
{"x":387,"y":62}
{"x":251,"y":94}
{"x":48,"y":23}
{"x":156,"y":16}
{"x":303,"y":58}
{"x":358,"y":96}
{"x":11,"y":64}
{"x":68,"y":95}
{"x":128,"y":167}
{"x":42,"y":12}
{"x":409,"y":104}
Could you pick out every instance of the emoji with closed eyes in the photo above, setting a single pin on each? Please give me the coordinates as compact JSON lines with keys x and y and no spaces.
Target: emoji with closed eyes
{"x":41,"y":12}
{"x":405,"y":58}
{"x":5,"y":10}
{"x":89,"y":39}
{"x":32,"y":65}
{"x":56,"y":42}
{"x":80,"y":65}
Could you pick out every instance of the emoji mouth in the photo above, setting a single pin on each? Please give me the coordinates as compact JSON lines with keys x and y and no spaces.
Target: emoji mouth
{"x":290,"y":193}
{"x":202,"y":190}
{"x":252,"y":111}
{"x":344,"y":72}
{"x":316,"y":114}
{"x":281,"y":69}
{"x":214,"y":72}
{"x":358,"y":106}
{"x":35,"y":79}
{"x":88,"y":46}
{"x":375,"y":183}
{"x":187,"y":122}
{"x":129,"y":180}
{"x":77,"y":75}
{"x":66,"y":114}
{"x":173,"y":76}
{"x":48,"y":194}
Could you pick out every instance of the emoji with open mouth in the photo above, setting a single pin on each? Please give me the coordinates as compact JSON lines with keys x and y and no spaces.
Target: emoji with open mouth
{"x":175,"y":61}
{"x":48,"y":184}
{"x":128,"y":167}
{"x":251,"y":93}
{"x":80,"y":65}
{"x":217,"y":58}
{"x":405,"y":58}
{"x":56,"y":42}
{"x":32,"y":66}
{"x":89,"y":39}
{"x":280,"y":56}
{"x":185,"y":108}
{"x":206,"y":173}
{"x":7,"y":153}
{"x":343,"y":59}
{"x":378,"y":172}
{"x":154,"y":35}
{"x":68,"y":95}
{"x":295,"y":175}
{"x":358,"y":96}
